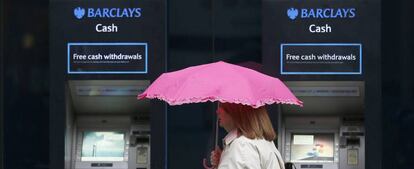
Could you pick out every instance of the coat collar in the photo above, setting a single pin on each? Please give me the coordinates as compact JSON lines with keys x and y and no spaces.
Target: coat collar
{"x":232,"y":135}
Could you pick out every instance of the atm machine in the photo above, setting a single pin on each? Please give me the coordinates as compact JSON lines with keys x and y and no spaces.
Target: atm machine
{"x":107,"y":127}
{"x":328,"y":132}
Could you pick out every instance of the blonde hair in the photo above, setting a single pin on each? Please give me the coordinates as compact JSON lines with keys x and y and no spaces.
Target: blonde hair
{"x":251,"y":122}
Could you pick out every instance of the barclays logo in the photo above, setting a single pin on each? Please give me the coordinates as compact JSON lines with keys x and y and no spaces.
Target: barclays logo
{"x":107,"y":12}
{"x":292,"y":13}
{"x":79,"y":12}
{"x":321,"y":13}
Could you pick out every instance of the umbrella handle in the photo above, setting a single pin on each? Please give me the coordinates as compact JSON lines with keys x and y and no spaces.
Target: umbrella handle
{"x":205,"y":164}
{"x":216,"y":134}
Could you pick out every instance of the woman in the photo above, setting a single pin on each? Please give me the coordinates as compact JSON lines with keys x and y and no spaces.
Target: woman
{"x":249,"y":142}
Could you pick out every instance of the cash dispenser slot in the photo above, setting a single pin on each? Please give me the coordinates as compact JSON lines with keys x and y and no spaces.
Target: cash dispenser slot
{"x":101,"y":164}
{"x":353,"y":141}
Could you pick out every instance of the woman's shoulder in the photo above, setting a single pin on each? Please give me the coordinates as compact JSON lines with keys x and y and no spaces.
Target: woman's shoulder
{"x":259,"y":143}
{"x":243,"y":140}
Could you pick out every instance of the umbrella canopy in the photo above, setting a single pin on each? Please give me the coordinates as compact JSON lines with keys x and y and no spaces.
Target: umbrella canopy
{"x":222,"y":82}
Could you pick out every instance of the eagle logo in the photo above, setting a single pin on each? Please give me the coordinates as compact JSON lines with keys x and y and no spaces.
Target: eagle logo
{"x":79,"y":12}
{"x":292,"y":13}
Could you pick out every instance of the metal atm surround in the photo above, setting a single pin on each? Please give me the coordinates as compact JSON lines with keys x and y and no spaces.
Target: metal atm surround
{"x":105,"y":105}
{"x":330,"y":106}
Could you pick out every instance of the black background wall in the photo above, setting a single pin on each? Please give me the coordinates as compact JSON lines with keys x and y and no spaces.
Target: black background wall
{"x":25,"y":61}
{"x":1,"y":79}
{"x":236,"y":28}
{"x":397,"y":84}
{"x":26,"y":84}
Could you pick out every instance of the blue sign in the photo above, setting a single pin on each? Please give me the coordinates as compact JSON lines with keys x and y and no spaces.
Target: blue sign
{"x":321,"y":59}
{"x":107,"y":58}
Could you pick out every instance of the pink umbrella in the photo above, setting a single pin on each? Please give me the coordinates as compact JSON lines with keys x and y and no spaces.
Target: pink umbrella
{"x":219,"y":81}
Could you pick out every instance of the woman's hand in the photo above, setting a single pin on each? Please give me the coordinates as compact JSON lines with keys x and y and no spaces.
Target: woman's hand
{"x":215,"y":157}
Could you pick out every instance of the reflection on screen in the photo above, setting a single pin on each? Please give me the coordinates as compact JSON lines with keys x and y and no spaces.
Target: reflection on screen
{"x":103,"y":146}
{"x":312,"y":148}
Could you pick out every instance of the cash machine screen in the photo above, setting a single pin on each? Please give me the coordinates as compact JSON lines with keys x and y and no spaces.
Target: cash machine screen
{"x":103,"y":146}
{"x":312,"y":147}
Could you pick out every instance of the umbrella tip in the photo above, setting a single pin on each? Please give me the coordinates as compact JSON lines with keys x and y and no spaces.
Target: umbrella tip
{"x":141,"y":96}
{"x":300,"y":103}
